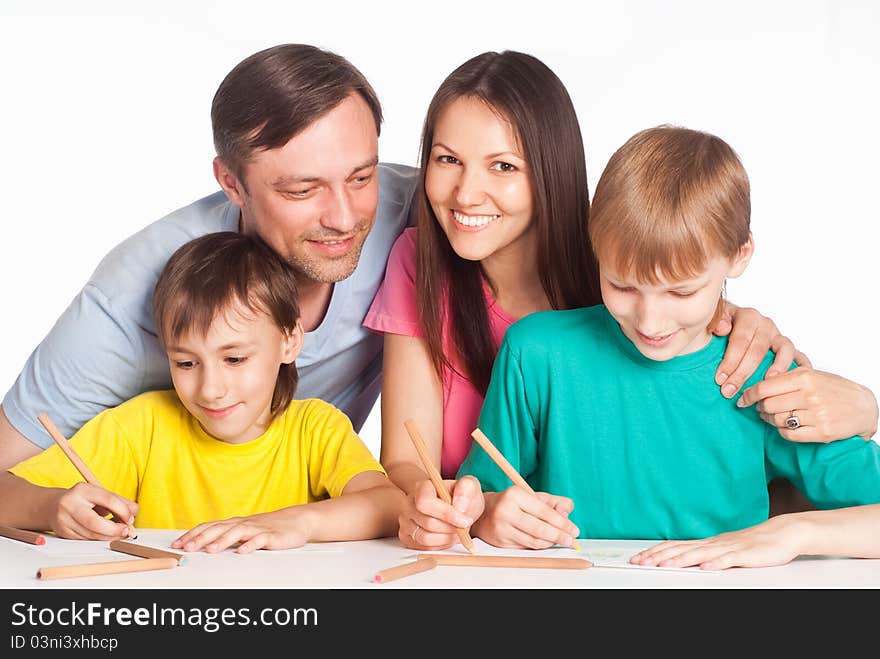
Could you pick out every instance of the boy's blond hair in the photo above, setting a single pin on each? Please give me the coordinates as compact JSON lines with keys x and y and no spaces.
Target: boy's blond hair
{"x":669,"y":200}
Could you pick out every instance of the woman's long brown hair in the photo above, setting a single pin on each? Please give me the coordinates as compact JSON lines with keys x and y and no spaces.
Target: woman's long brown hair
{"x":525,"y":92}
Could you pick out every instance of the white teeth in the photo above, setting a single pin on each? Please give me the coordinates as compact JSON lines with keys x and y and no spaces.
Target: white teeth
{"x":473,"y":220}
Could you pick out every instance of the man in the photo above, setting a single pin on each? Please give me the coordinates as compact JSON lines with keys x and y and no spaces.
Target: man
{"x":296,"y":131}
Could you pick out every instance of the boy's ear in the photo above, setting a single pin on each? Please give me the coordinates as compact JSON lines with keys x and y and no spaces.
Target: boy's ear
{"x":229,"y":182}
{"x":739,"y":262}
{"x":292,"y":344}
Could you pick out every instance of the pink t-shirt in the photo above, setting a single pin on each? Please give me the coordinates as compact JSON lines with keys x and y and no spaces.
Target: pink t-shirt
{"x":394,"y":310}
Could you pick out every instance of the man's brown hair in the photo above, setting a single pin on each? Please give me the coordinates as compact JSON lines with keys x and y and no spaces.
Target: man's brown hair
{"x":276,"y":93}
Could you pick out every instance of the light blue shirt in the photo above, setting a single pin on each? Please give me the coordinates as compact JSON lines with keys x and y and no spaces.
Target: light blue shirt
{"x":103,"y":350}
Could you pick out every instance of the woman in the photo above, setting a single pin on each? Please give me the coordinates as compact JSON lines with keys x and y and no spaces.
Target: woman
{"x":501,"y":233}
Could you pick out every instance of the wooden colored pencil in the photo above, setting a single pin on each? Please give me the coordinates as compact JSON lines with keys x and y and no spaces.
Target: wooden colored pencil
{"x":145,"y":552}
{"x":435,"y":477}
{"x":24,"y":536}
{"x":392,"y":573}
{"x":505,"y":466}
{"x":482,"y":560}
{"x":114,"y":567}
{"x":74,"y":458}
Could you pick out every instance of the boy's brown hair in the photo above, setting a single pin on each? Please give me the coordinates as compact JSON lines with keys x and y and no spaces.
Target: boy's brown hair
{"x":209,"y":274}
{"x":669,"y":200}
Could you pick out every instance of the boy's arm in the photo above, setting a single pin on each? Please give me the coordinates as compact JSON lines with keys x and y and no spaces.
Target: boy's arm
{"x":839,"y":474}
{"x":77,"y":512}
{"x":512,"y":516}
{"x":367,"y":508}
{"x":844,"y":532}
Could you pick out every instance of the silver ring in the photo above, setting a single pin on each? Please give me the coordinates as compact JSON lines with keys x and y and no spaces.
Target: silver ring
{"x":415,"y":531}
{"x":792,"y":422}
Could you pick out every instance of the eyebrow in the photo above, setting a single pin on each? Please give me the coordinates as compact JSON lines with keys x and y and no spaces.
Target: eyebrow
{"x":236,"y":346}
{"x":696,"y":283}
{"x":229,"y":346}
{"x":488,"y":157}
{"x":287,"y":180}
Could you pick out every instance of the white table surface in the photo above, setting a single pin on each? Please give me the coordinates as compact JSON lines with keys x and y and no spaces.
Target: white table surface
{"x":353,"y":565}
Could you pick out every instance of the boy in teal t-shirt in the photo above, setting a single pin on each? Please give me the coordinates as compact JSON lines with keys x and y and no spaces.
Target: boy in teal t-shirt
{"x":613,"y":408}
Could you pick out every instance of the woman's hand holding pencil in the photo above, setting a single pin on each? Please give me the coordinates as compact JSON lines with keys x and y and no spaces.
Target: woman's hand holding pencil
{"x":429,"y":522}
{"x":431,"y":514}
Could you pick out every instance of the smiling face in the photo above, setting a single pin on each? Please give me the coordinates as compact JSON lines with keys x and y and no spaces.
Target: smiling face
{"x":226,"y":378}
{"x":314,"y":199}
{"x":477,"y":182}
{"x":672,"y":317}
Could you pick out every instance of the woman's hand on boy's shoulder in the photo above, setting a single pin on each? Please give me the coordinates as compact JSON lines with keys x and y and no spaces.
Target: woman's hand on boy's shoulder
{"x":751,"y":335}
{"x":827,"y":407}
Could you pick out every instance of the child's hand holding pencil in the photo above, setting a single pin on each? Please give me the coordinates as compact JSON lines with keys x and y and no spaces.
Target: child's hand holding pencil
{"x":81,"y":511}
{"x":520,"y":516}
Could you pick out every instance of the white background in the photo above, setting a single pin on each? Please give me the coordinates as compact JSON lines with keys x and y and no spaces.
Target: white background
{"x":104,"y":113}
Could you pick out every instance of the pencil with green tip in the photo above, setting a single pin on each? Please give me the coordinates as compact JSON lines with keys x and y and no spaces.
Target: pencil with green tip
{"x":505,"y":466}
{"x":74,"y":458}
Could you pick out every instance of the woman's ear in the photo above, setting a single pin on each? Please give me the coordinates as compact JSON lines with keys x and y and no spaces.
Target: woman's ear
{"x":739,"y":262}
{"x":292,"y":343}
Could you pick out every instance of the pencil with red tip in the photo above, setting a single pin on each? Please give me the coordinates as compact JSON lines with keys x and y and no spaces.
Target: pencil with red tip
{"x":29,"y":537}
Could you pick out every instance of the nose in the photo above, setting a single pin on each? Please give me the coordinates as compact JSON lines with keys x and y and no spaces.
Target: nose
{"x":339,"y":213}
{"x":212,"y":384}
{"x":470,"y":189}
{"x":649,"y":315}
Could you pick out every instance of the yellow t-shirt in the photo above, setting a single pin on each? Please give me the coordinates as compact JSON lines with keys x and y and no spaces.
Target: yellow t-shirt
{"x":151,"y":450}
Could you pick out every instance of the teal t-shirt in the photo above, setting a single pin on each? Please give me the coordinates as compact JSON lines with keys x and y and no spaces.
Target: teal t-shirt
{"x":646,"y":449}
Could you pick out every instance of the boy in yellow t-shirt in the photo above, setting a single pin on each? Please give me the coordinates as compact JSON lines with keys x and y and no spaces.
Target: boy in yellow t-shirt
{"x":229,"y":443}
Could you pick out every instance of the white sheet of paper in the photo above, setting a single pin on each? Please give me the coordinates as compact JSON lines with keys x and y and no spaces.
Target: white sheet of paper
{"x":601,"y":553}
